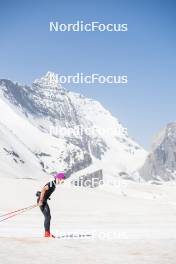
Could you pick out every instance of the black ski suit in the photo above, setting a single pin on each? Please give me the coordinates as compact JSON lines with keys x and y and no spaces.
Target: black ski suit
{"x":45,"y":207}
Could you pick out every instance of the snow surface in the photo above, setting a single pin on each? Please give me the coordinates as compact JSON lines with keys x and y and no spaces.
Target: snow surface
{"x":129,"y":223}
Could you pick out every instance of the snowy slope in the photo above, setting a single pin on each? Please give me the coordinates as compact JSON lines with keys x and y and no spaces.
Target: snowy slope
{"x":127,"y":229}
{"x":44,"y":118}
{"x":38,"y":152}
{"x":122,"y":153}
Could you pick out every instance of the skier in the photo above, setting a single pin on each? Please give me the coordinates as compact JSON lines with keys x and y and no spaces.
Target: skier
{"x":43,"y":196}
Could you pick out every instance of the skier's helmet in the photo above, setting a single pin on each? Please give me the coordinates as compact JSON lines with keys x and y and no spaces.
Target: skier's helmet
{"x":60,"y":176}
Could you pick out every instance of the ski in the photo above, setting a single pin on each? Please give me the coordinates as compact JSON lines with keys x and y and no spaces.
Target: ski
{"x":74,"y":236}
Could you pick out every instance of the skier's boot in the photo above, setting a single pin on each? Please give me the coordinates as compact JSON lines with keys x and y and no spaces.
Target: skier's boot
{"x":48,"y":234}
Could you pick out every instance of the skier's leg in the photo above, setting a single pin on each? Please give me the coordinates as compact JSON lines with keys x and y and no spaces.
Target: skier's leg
{"x":46,"y":212}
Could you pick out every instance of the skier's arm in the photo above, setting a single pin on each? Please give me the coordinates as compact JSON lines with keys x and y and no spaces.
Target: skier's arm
{"x":45,"y":188}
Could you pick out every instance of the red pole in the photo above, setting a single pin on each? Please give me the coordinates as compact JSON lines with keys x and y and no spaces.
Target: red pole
{"x":20,"y":212}
{"x":16,"y":211}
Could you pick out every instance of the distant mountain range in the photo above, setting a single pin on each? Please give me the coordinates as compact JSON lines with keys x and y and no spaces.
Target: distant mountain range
{"x":160,"y":164}
{"x":44,"y":129}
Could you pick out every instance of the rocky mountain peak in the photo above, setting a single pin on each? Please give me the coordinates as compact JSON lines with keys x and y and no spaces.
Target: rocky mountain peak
{"x":66,"y":130}
{"x":49,"y":80}
{"x":161,"y":161}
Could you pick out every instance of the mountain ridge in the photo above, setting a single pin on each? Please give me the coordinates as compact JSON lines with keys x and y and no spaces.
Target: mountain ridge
{"x":160,"y":164}
{"x":45,"y":105}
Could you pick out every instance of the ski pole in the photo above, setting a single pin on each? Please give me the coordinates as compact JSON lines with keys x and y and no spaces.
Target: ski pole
{"x":18,"y":213}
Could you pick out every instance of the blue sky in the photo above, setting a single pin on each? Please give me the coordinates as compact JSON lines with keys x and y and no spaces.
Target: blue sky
{"x":146,"y":53}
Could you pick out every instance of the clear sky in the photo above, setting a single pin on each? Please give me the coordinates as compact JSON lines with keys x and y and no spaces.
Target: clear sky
{"x":146,"y":53}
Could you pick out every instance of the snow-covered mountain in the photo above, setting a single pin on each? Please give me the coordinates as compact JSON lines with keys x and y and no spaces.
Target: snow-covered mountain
{"x":44,"y":128}
{"x":161,"y":162}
